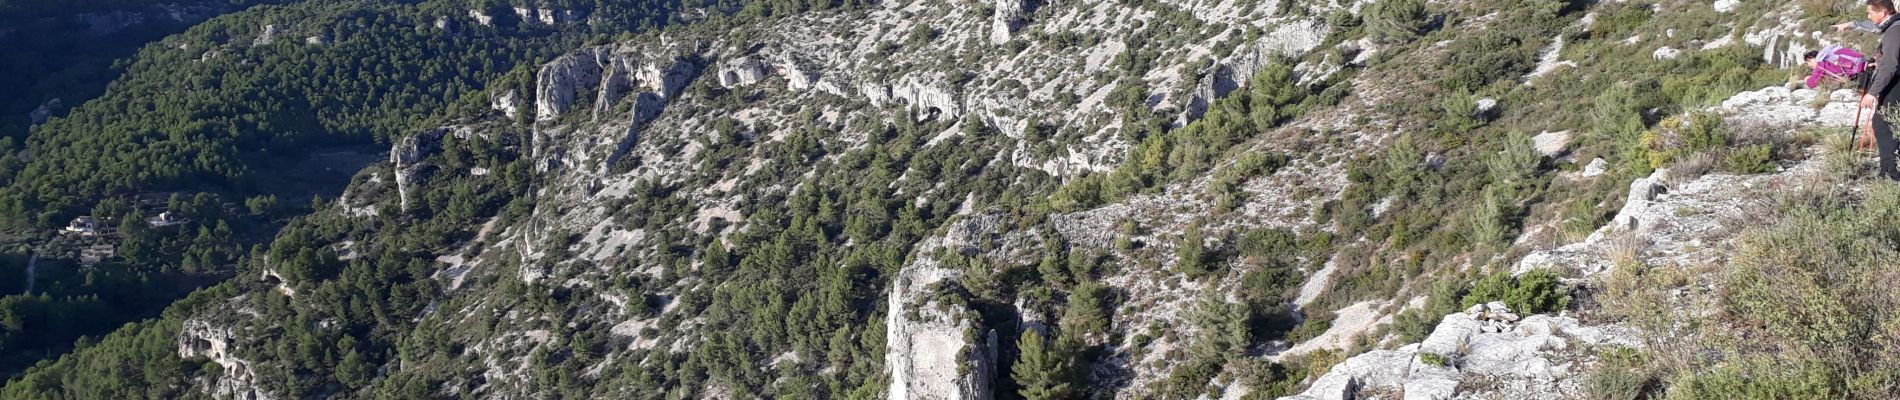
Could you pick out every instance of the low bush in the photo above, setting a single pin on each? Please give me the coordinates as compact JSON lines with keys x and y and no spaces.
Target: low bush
{"x":1537,"y":291}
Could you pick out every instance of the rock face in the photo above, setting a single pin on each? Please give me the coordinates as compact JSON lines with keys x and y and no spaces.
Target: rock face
{"x":481,"y":18}
{"x":1006,"y":19}
{"x":613,"y":74}
{"x":741,"y":71}
{"x":508,"y":103}
{"x":546,"y":16}
{"x":1288,"y":40}
{"x":796,"y":74}
{"x":266,"y":36}
{"x":557,"y":81}
{"x":926,"y":98}
{"x":406,"y":156}
{"x":837,"y":72}
{"x":202,"y":339}
{"x":1486,"y":352}
{"x":643,"y":83}
{"x":937,"y":349}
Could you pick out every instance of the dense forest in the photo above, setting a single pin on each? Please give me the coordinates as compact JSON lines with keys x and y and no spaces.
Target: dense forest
{"x":216,"y":112}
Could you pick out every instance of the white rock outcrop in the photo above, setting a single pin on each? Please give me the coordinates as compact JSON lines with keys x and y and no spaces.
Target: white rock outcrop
{"x":613,"y":75}
{"x":558,"y":80}
{"x":547,"y":16}
{"x":742,"y":71}
{"x":926,"y":98}
{"x":1551,"y":144}
{"x":1289,"y":40}
{"x":934,"y":349}
{"x":1596,"y":167}
{"x":1539,"y":356}
{"x":481,"y":18}
{"x":1665,"y":53}
{"x":1779,"y":106}
{"x":1677,"y":221}
{"x":1006,"y":19}
{"x":266,"y":35}
{"x":508,"y":103}
{"x":198,"y":338}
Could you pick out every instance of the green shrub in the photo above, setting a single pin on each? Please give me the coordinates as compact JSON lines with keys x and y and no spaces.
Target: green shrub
{"x":919,"y":35}
{"x":1759,"y":378}
{"x":1435,"y":359}
{"x":1749,"y":160}
{"x":1311,"y":328}
{"x":1620,"y":19}
{"x":1623,"y":375}
{"x":1537,"y":291}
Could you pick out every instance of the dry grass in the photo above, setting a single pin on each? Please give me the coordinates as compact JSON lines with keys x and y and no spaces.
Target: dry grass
{"x":1626,"y":250}
{"x":1808,"y":287}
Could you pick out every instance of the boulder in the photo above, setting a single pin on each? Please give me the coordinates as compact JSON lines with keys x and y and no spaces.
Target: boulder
{"x":1551,"y":144}
{"x":1486,"y":108}
{"x":1665,"y":53}
{"x":1724,"y":6}
{"x":1596,"y":167}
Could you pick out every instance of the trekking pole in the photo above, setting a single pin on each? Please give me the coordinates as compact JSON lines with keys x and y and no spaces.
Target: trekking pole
{"x":1854,"y":134}
{"x":1866,"y":140}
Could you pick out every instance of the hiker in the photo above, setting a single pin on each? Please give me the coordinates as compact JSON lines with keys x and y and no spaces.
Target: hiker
{"x":1880,"y":87}
{"x":1834,"y":64}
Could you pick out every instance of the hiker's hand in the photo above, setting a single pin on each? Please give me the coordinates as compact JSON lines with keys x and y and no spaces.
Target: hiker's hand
{"x":1842,"y":27}
{"x":1867,"y":100}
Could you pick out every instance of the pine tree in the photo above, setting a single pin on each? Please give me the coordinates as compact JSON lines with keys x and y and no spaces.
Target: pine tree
{"x":1085,"y":315}
{"x":353,"y":370}
{"x":1396,"y":21}
{"x":715,"y":260}
{"x":1190,"y":257}
{"x":1041,"y":371}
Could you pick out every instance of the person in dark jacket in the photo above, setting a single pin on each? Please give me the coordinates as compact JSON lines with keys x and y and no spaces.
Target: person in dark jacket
{"x":1880,"y":87}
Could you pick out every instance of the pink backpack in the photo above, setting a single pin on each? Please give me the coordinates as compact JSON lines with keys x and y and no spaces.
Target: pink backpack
{"x":1836,"y":62}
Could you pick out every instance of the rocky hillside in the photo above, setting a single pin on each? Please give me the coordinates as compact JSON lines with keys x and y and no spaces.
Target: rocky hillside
{"x":966,"y":199}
